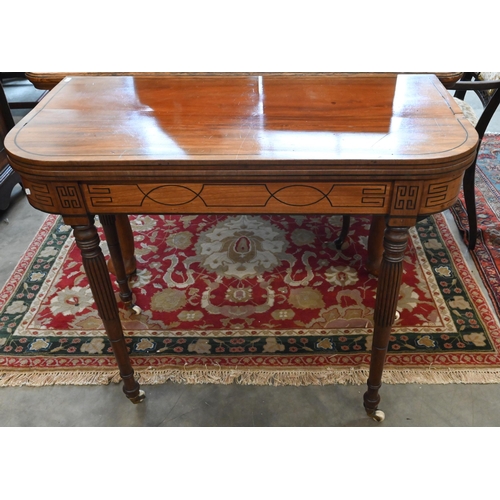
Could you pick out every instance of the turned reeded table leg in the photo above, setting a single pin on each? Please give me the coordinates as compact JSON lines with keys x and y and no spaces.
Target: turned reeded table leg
{"x":94,"y":263}
{"x":395,"y":242}
{"x":126,"y":239}
{"x":114,"y":244}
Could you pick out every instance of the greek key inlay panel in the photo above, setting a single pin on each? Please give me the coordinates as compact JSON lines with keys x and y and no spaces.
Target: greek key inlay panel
{"x":406,"y":198}
{"x":68,"y":196}
{"x":442,"y":193}
{"x":40,"y":194}
{"x":55,"y":198}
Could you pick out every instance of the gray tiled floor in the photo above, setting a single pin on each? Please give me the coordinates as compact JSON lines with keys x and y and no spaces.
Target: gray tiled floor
{"x":218,"y":405}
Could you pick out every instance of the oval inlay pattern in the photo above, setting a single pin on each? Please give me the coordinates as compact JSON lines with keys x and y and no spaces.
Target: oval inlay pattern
{"x":299,"y":196}
{"x":172,"y":195}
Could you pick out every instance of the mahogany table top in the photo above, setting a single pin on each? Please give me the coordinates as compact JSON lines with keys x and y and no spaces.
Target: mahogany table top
{"x":243,"y":126}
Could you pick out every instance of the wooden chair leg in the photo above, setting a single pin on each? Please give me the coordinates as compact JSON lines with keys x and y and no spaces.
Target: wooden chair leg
{"x":346,"y":223}
{"x":470,"y":203}
{"x":375,"y":241}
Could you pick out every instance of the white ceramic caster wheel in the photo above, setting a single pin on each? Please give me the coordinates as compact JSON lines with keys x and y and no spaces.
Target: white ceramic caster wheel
{"x":136,"y":309}
{"x":378,"y":416}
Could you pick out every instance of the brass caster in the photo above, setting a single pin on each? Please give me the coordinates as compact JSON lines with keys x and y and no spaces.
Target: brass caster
{"x":139,"y":398}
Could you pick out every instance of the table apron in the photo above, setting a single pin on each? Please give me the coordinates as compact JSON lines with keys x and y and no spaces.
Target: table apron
{"x":398,"y":198}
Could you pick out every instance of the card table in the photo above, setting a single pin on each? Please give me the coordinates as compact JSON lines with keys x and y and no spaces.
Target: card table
{"x":391,"y":146}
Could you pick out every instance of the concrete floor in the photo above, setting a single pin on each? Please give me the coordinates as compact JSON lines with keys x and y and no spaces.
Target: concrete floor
{"x":174,"y":405}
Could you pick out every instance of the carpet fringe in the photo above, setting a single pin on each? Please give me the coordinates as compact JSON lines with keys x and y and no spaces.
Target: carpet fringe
{"x":353,"y":376}
{"x":47,"y":378}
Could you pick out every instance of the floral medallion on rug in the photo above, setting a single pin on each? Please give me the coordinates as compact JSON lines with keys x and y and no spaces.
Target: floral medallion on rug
{"x":248,"y":299}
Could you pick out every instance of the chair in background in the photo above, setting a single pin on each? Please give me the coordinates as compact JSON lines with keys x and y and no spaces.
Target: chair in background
{"x":8,"y":178}
{"x":486,"y":86}
{"x":19,"y":79}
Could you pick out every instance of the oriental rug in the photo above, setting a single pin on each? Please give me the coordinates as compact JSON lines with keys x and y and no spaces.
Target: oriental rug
{"x":486,"y":255}
{"x":251,"y":300}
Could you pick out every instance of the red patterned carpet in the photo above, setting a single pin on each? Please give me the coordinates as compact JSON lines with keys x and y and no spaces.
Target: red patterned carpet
{"x":253,"y":300}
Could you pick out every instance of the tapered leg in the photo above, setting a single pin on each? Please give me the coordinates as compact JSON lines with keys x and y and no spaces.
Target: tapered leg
{"x":389,"y":283}
{"x":375,"y":244}
{"x":126,"y":239}
{"x":94,"y":263}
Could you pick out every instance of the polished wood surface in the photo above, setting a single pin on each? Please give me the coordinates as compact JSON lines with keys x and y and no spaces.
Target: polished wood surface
{"x":47,"y":81}
{"x":391,"y":146}
{"x":206,"y":134}
{"x":243,"y":119}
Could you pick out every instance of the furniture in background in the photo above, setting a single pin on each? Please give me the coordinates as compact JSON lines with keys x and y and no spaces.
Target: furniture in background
{"x":20,"y":79}
{"x":486,"y":86}
{"x":293,"y":144}
{"x":8,"y":177}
